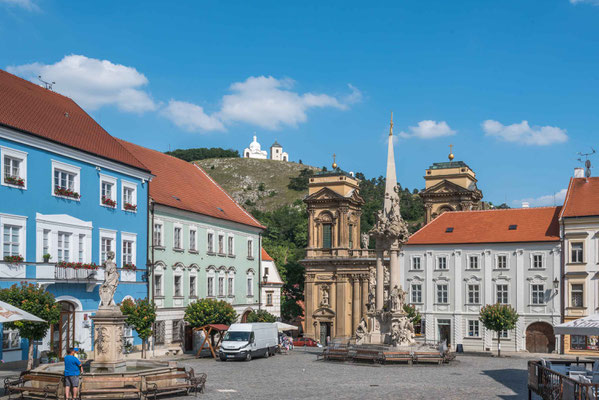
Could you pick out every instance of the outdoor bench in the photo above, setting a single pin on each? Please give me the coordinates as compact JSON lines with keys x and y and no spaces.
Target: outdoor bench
{"x":368,"y":354}
{"x":35,"y":386}
{"x":398,"y":356}
{"x":429,"y":357}
{"x":336,"y":354}
{"x":179,"y":381}
{"x":125,"y":386}
{"x":198,"y":381}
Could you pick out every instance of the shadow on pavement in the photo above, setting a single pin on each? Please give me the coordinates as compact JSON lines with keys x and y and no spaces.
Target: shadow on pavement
{"x":515,"y":379}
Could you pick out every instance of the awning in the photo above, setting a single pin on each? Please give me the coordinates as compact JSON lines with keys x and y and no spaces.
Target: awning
{"x":586,"y":326}
{"x":10,"y":313}
{"x":282,"y":327}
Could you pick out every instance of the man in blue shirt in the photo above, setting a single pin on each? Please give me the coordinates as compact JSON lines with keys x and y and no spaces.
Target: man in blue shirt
{"x":72,"y":370}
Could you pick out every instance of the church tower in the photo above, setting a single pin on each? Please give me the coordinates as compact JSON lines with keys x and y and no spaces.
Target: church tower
{"x":450,"y":186}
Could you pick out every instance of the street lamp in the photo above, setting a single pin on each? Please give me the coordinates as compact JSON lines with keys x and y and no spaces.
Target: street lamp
{"x":556,"y":285}
{"x":264,"y":279}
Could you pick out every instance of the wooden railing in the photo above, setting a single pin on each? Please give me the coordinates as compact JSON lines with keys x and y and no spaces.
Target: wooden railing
{"x":552,"y":385}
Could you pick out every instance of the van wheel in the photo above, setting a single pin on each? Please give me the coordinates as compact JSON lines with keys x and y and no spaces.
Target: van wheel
{"x":267,"y":354}
{"x":248,"y":357}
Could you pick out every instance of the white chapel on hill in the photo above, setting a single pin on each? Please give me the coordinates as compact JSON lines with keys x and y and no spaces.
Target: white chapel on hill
{"x":255,"y":151}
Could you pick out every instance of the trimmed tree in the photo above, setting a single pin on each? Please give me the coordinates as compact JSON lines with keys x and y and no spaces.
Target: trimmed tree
{"x":261,"y":316}
{"x":413,"y":313}
{"x":141,"y":315}
{"x":498,"y":318}
{"x":34,"y":300}
{"x":209,"y":311}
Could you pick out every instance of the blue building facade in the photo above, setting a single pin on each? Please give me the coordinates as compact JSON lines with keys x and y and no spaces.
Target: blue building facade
{"x":74,"y":206}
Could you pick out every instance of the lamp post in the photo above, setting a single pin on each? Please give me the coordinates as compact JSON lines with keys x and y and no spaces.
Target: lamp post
{"x":556,"y":285}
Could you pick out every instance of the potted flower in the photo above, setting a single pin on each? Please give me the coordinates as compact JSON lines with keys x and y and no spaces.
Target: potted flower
{"x":14,"y":259}
{"x":107,"y":201}
{"x":129,"y":267}
{"x":53,"y":357}
{"x":47,"y":257}
{"x":130,"y":207}
{"x":60,"y":191}
{"x":14,"y":180}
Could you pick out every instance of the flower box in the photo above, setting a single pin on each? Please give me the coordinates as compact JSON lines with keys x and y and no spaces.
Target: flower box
{"x":130,"y":267}
{"x":14,"y":180}
{"x":107,"y":201}
{"x":14,"y":259}
{"x":77,"y":265}
{"x":60,"y":191}
{"x":130,"y":207}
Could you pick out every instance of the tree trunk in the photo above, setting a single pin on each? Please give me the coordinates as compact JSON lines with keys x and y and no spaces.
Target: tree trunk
{"x":499,"y":344}
{"x":30,"y":356}
{"x":143,"y":348}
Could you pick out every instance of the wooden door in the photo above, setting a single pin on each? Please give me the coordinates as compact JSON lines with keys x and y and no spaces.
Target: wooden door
{"x":62,"y":334}
{"x":188,"y":338}
{"x":540,"y":338}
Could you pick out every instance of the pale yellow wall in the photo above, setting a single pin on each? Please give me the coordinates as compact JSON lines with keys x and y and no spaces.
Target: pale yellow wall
{"x":338,"y":183}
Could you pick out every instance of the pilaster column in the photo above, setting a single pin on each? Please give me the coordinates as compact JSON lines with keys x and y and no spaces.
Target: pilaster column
{"x":393,"y":269}
{"x":364,"y":295}
{"x":309,"y":306}
{"x":380,"y":279}
{"x":355,"y":303}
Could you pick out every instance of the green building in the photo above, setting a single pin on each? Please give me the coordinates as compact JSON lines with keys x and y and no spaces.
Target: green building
{"x":202,"y":245}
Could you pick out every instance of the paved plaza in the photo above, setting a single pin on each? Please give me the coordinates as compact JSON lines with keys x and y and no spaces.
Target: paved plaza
{"x":300,"y":376}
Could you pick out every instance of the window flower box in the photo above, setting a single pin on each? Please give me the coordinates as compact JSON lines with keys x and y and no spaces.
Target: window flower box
{"x":14,"y":259}
{"x":77,"y":265}
{"x":130,"y":267}
{"x":14,"y":180}
{"x":107,"y":201}
{"x":130,"y":207}
{"x":60,"y":191}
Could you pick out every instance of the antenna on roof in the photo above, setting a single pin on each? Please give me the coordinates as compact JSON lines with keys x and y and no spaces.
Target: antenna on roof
{"x":586,"y":162}
{"x":47,"y":85}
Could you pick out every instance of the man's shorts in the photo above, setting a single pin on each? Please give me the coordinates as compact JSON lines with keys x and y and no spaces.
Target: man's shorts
{"x":72,"y":381}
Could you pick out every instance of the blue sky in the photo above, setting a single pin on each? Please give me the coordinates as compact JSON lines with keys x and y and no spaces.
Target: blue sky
{"x":514,"y":85}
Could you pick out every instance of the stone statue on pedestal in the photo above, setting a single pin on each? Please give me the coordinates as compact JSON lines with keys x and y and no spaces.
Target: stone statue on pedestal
{"x":111,"y":281}
{"x":361,"y":332}
{"x":365,"y":238}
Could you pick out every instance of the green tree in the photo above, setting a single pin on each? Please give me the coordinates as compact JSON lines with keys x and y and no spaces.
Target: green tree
{"x":34,"y":300}
{"x":413,"y":314}
{"x":498,"y":318}
{"x":261,"y":316}
{"x":203,"y":153}
{"x":141,"y":315}
{"x":209,"y":311}
{"x":301,"y":181}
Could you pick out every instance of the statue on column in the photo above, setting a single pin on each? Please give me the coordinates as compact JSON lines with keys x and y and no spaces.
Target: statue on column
{"x":325,"y":296}
{"x":365,"y":238}
{"x":361,"y":331}
{"x":111,"y":281}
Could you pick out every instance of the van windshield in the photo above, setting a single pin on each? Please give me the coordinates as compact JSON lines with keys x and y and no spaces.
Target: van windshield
{"x":236,"y":336}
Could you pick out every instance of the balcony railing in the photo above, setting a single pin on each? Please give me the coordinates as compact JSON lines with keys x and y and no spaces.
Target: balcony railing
{"x":61,"y":273}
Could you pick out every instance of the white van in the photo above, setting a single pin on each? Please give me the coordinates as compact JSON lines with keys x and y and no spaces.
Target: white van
{"x":245,"y":341}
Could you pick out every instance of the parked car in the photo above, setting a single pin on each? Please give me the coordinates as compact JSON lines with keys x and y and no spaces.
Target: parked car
{"x":308,"y":342}
{"x":247,"y":340}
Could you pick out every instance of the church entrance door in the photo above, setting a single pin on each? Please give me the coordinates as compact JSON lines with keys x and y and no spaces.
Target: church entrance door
{"x":325,"y":332}
{"x":444,"y":326}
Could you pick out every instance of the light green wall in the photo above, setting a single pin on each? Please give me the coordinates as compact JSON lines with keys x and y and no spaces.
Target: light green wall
{"x":167,"y":257}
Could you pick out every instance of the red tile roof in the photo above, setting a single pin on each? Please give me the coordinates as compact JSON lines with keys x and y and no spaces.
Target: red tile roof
{"x":265,"y":256}
{"x":491,"y":226}
{"x":28,"y":107}
{"x":582,"y":199}
{"x":186,"y":186}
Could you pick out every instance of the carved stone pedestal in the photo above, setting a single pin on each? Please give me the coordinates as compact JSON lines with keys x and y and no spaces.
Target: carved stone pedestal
{"x":108,"y":340}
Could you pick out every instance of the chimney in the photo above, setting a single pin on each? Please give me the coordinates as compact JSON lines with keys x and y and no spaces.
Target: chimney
{"x":525,"y":204}
{"x":578,"y":172}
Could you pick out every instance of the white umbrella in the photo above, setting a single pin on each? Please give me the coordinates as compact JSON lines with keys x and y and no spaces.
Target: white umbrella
{"x":282,"y":327}
{"x":587,"y":326}
{"x":9,"y":313}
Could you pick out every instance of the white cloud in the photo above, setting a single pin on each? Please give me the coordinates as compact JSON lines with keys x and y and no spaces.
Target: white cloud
{"x":26,"y":4}
{"x":547,"y":200}
{"x":593,"y":2}
{"x":525,"y":134}
{"x":270,"y":103}
{"x":428,"y":129}
{"x":93,"y":83}
{"x":191,"y":117}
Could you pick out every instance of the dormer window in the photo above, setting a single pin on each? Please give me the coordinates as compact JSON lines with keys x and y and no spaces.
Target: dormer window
{"x":513,"y":227}
{"x":449,"y":229}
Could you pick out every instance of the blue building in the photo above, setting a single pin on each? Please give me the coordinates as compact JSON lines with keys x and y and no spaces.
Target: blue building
{"x":71,"y":191}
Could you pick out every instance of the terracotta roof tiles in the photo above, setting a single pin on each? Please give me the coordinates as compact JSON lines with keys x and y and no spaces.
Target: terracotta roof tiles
{"x":266,"y":256}
{"x":582,"y":199}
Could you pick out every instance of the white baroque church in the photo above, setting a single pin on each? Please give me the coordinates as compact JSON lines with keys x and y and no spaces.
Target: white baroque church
{"x":255,"y":151}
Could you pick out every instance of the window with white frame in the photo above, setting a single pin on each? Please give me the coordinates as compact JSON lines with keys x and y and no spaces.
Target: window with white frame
{"x":504,"y":334}
{"x":129,"y":196}
{"x":107,"y":190}
{"x":250,"y":248}
{"x":473,"y":328}
{"x":46,"y":241}
{"x":157,"y":234}
{"x":577,"y":295}
{"x":576,"y":252}
{"x":538,"y":293}
{"x":221,"y":286}
{"x":193,"y":246}
{"x":107,"y":243}
{"x":442,"y":293}
{"x":177,"y":280}
{"x":127,"y":252}
{"x":63,"y":247}
{"x":502,"y":293}
{"x":81,"y":249}
{"x":473,"y":262}
{"x":250,"y":284}
{"x":269,"y":298}
{"x":65,"y":180}
{"x":210,"y":242}
{"x":11,"y":240}
{"x":192,"y":286}
{"x":14,"y":167}
{"x":11,"y":339}
{"x":537,"y":261}
{"x":231,"y":245}
{"x":416,"y":263}
{"x":158,"y":285}
{"x":501,"y":261}
{"x":210,"y":286}
{"x":230,"y":287}
{"x":416,"y":293}
{"x":221,"y":244}
{"x":473,"y":293}
{"x":177,"y":237}
{"x":442,"y":262}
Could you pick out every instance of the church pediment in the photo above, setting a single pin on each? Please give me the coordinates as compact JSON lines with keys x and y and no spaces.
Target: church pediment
{"x":446,"y":186}
{"x":324,"y":194}
{"x":323,"y":312}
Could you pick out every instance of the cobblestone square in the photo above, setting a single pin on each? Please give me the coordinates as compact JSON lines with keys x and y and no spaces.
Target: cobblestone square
{"x":300,"y":376}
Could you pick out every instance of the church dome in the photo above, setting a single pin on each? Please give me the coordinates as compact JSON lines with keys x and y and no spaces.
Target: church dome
{"x":255,"y":146}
